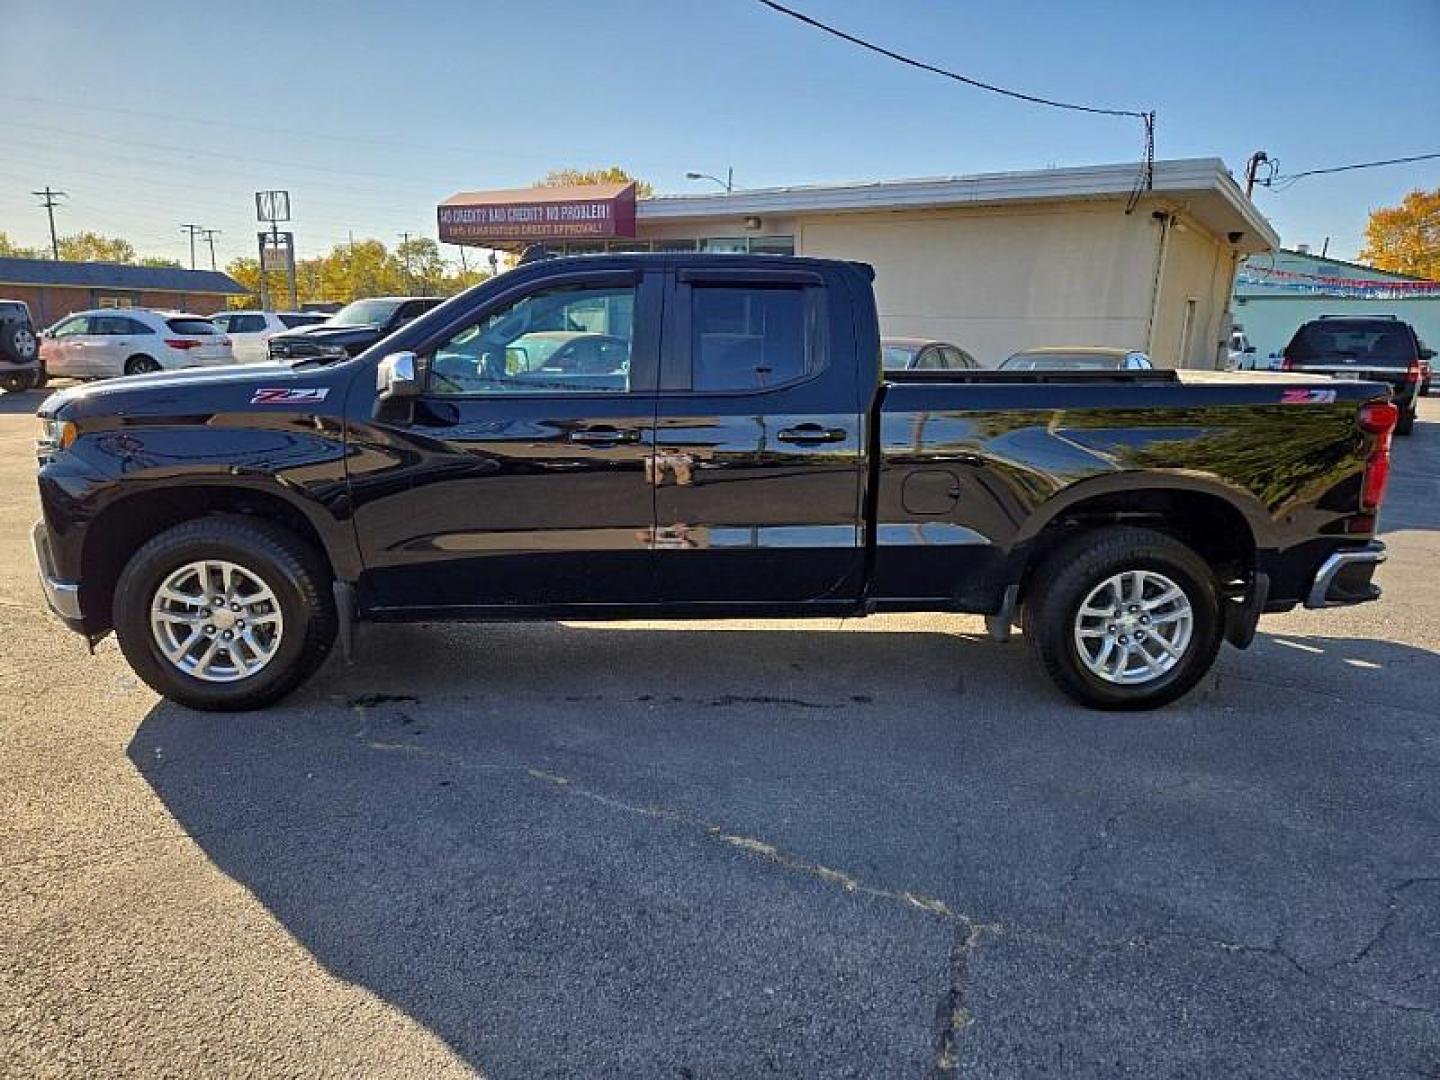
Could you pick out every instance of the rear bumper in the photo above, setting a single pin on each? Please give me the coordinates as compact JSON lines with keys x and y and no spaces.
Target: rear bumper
{"x":1344,"y":578}
{"x":61,"y":595}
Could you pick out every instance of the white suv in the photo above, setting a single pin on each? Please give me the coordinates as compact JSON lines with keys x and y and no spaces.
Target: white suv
{"x":131,"y":341}
{"x":250,"y":330}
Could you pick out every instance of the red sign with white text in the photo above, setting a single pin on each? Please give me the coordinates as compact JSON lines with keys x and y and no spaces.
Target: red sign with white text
{"x":605,"y":210}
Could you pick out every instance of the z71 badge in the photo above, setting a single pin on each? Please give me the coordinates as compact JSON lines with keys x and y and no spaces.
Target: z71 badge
{"x":280,"y":395}
{"x":1307,"y":397}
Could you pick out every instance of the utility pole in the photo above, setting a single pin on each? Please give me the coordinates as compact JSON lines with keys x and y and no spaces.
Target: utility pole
{"x":1252,"y":167}
{"x":49,"y":200}
{"x":210,"y":235}
{"x":404,"y":247}
{"x":192,"y":230}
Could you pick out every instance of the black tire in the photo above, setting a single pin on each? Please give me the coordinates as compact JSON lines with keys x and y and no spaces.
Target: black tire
{"x":1063,"y":581}
{"x":141,"y":365}
{"x":18,"y":343}
{"x":292,"y":571}
{"x":1406,"y":424}
{"x":17,"y":382}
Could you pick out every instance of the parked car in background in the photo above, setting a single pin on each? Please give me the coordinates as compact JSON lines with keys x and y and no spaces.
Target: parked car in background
{"x":1377,"y":348}
{"x":1427,"y":362}
{"x":1241,"y":353}
{"x":922,"y":354}
{"x":19,"y":348}
{"x":131,"y":341}
{"x":1078,"y":359}
{"x":352,"y":329}
{"x":250,"y":331}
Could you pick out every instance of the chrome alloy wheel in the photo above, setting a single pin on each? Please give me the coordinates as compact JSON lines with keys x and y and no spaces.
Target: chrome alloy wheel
{"x":1134,"y":627}
{"x":25,"y":343}
{"x":216,"y":621}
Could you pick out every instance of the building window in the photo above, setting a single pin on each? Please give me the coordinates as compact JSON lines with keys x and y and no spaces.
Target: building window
{"x":113,"y":301}
{"x":772,"y":245}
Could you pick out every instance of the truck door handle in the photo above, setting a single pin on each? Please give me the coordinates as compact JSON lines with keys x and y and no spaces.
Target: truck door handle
{"x":811,"y":433}
{"x":602,"y":436}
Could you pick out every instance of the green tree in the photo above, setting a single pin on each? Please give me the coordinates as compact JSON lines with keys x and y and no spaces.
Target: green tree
{"x":92,"y":247}
{"x":611,"y":174}
{"x":161,"y":261}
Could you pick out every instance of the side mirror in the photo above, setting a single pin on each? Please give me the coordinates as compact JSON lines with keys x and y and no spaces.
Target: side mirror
{"x":1249,"y":348}
{"x":1427,"y":354}
{"x":396,"y":377}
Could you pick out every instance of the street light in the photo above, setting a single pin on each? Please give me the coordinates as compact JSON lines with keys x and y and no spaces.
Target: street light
{"x":728,"y":183}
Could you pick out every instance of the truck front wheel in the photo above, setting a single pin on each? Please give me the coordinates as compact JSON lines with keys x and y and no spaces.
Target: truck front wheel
{"x":224,"y":613}
{"x":1123,"y":618}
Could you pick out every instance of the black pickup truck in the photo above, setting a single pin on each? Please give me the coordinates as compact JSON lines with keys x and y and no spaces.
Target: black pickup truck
{"x":696,"y":436}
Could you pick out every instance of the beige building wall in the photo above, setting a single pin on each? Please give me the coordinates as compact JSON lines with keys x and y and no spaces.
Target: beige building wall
{"x":996,"y":280}
{"x":1190,"y":323}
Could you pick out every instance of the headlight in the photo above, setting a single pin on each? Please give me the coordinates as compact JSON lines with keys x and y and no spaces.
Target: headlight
{"x":55,"y":435}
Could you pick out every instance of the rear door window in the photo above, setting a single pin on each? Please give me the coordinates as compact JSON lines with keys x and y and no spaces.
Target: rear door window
{"x":747,"y":338}
{"x":1360,"y":341}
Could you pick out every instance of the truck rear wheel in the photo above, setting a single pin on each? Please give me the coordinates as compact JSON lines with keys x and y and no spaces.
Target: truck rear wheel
{"x":224,"y":613}
{"x":1124,"y":618}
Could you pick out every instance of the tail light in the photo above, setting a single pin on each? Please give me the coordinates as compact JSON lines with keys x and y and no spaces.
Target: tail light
{"x":1415,"y":373}
{"x":1378,"y":418}
{"x":183,"y":343}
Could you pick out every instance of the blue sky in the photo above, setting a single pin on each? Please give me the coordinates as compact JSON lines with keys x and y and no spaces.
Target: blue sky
{"x":153,"y":113}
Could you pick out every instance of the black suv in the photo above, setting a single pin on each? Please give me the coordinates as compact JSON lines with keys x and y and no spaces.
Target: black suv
{"x":352,"y":329}
{"x":19,"y":348}
{"x":1376,"y":348}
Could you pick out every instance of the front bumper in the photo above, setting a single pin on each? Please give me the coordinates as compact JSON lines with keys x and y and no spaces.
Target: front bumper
{"x":62,"y":596}
{"x":1344,"y":578}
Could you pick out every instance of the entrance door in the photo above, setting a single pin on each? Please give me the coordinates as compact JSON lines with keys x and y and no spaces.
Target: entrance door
{"x":521,"y":475}
{"x":759,"y":443}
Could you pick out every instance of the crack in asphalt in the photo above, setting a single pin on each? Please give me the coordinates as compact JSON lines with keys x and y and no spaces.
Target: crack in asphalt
{"x":953,"y":1017}
{"x":1392,"y":908}
{"x":1278,"y":951}
{"x":1107,"y":827}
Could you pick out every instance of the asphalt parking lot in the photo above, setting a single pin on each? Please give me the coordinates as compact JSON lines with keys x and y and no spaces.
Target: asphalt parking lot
{"x":882,"y":848}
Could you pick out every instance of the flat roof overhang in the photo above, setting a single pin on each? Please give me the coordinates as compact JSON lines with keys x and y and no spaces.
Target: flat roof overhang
{"x":1201,"y":187}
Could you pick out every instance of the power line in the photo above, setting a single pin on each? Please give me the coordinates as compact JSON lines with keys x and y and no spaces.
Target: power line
{"x":1285,"y":181}
{"x":934,"y":70}
{"x":49,"y":200}
{"x":1143,"y":182}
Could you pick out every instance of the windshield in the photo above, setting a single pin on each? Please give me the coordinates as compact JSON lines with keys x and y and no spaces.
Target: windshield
{"x":1368,"y":341}
{"x":1065,"y":361}
{"x":365,"y":313}
{"x":897,"y":357}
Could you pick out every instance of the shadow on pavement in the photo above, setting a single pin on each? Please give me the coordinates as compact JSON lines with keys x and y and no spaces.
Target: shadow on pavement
{"x":27,"y":401}
{"x":581,"y":850}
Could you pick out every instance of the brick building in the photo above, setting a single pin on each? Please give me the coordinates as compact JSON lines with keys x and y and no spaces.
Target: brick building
{"x":55,"y":289}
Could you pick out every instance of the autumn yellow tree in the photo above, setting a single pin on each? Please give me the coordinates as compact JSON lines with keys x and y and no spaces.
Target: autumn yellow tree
{"x":1405,"y":239}
{"x":610,"y":174}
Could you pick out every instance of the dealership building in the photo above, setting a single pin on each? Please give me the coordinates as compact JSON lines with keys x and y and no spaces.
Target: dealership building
{"x":993,"y":262}
{"x":54,"y":288}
